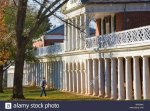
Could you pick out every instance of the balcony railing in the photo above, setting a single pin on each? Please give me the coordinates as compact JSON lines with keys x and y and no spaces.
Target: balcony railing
{"x":50,"y":50}
{"x":122,"y":38}
{"x":131,"y":36}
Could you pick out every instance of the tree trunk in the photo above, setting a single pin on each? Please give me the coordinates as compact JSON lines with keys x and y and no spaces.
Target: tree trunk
{"x":18,"y":74}
{"x":20,"y":52}
{"x":1,"y":79}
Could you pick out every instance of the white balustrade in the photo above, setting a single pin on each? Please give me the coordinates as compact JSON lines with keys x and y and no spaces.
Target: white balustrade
{"x":132,"y":36}
{"x":50,"y":50}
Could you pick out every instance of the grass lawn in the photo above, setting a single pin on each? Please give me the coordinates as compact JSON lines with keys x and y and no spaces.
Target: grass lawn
{"x":33,"y":93}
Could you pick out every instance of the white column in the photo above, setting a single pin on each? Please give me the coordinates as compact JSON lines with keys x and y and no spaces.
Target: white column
{"x":121,"y":88}
{"x":114,"y":78}
{"x":90,"y":72}
{"x":107,"y":78}
{"x":78,"y":78}
{"x":47,"y":74}
{"x":55,"y":74}
{"x":73,"y":35}
{"x":75,"y":78}
{"x":61,"y":75}
{"x":70,"y":36}
{"x":112,"y":23}
{"x":95,"y":77}
{"x":52,"y":74}
{"x":136,"y":78}
{"x":58,"y":75}
{"x":70,"y":78}
{"x":77,"y":31}
{"x":64,"y":76}
{"x":101,"y":77}
{"x":87,"y":29}
{"x":82,"y":78}
{"x":65,"y":36}
{"x":146,"y":78}
{"x":86,"y":72}
{"x":81,"y":33}
{"x":67,"y":76}
{"x":128,"y":77}
{"x":102,"y":26}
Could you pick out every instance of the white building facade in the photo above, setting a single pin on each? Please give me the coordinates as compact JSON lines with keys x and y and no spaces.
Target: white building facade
{"x":113,"y":64}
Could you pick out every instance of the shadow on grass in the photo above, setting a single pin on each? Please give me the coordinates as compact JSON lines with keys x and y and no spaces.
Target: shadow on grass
{"x":33,"y":94}
{"x":77,"y":99}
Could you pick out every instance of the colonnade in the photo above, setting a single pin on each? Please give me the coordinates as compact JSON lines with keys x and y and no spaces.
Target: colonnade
{"x":75,"y":79}
{"x":119,"y":78}
{"x":75,"y":32}
{"x":52,"y":71}
{"x":122,"y":78}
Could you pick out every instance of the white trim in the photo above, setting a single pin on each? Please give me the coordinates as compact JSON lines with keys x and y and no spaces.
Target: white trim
{"x":75,"y":13}
{"x":117,"y":7}
{"x":53,"y":37}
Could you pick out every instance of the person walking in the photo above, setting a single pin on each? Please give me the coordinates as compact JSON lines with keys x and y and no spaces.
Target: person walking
{"x":43,"y":85}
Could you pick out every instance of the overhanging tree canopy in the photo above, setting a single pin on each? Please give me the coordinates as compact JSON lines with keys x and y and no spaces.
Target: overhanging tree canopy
{"x":23,"y":40}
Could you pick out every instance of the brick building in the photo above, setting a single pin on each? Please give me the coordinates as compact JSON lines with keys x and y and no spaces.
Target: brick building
{"x":112,"y":64}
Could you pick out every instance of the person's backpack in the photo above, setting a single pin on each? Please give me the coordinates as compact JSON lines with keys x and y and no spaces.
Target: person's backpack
{"x":42,"y":83}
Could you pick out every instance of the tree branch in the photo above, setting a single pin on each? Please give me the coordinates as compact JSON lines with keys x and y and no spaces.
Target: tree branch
{"x":50,"y":7}
{"x":41,"y":7}
{"x":8,"y":65}
{"x":42,"y":18}
{"x":58,"y":7}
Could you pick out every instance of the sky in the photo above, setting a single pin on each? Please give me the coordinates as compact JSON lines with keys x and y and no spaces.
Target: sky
{"x":55,"y":22}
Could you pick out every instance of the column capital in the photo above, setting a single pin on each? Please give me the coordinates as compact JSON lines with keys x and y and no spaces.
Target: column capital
{"x":85,"y":14}
{"x":95,"y":58}
{"x":112,"y":15}
{"x":89,"y":59}
{"x":128,"y":58}
{"x":120,"y":57}
{"x":106,"y":58}
{"x":113,"y":58}
{"x":136,"y":57}
{"x":102,"y":18}
{"x":145,"y":56}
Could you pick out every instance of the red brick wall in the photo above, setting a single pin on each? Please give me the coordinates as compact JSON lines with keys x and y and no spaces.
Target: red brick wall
{"x":46,"y":43}
{"x":133,"y":20}
{"x":38,"y":44}
{"x":98,"y":27}
{"x":51,"y":42}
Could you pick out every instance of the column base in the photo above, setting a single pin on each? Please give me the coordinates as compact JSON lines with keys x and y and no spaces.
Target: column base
{"x":78,"y":92}
{"x":129,"y":99}
{"x":107,"y":96}
{"x":100,"y":95}
{"x":82,"y":92}
{"x":113,"y":98}
{"x":89,"y":94}
{"x":95,"y":94}
{"x":120,"y":99}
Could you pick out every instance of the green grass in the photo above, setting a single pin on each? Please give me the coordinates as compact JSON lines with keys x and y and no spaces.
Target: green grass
{"x":33,"y":93}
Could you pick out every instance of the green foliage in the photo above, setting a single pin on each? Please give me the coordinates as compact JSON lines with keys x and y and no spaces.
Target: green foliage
{"x":10,"y":20}
{"x":9,"y":17}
